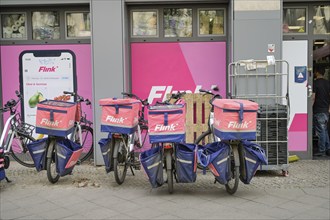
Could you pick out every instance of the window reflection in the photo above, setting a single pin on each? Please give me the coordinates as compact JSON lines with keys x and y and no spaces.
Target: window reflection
{"x":294,"y":20}
{"x":13,"y":26}
{"x":211,"y":22}
{"x":321,"y":18}
{"x":45,"y":25}
{"x":144,"y":23}
{"x":177,"y":22}
{"x":78,"y":24}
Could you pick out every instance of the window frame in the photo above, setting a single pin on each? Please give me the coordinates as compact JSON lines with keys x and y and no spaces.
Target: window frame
{"x":144,"y":10}
{"x":211,"y":35}
{"x":66,"y":24}
{"x":306,"y":20}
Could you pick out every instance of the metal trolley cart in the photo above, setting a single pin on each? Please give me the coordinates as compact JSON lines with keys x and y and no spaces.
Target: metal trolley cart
{"x":268,"y":85}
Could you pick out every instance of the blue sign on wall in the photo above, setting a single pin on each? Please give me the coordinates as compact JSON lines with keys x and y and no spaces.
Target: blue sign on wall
{"x":300,"y":74}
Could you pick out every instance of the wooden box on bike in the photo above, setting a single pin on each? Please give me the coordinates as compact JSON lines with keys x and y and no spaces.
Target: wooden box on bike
{"x":235,"y":119}
{"x":167,"y":123}
{"x":55,"y":117}
{"x":119,"y":115}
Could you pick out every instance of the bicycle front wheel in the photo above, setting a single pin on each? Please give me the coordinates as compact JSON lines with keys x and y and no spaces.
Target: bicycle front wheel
{"x":232,"y":184}
{"x":120,"y":160}
{"x":19,"y":150}
{"x":86,"y":142}
{"x":52,"y":174}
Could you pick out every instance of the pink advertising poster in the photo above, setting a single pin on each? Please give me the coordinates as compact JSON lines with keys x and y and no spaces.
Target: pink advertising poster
{"x":162,"y":68}
{"x":57,"y":74}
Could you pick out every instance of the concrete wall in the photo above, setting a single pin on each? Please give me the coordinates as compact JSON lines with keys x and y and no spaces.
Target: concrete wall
{"x":107,"y":54}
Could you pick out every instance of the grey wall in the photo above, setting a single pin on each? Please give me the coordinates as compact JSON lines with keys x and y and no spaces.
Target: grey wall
{"x":107,"y":54}
{"x":255,"y":25}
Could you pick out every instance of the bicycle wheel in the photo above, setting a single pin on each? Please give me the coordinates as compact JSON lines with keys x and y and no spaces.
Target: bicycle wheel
{"x":22,"y":154}
{"x":87,"y":142}
{"x":120,"y":160}
{"x":232,"y":184}
{"x":203,"y":139}
{"x":169,"y":170}
{"x":52,"y":175}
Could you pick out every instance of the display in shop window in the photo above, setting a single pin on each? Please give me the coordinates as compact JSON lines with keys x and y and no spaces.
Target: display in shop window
{"x":78,"y":25}
{"x":45,"y":25}
{"x":145,"y":23}
{"x":13,"y":26}
{"x":321,"y":18}
{"x":211,"y":22}
{"x":177,"y":22}
{"x":294,"y":20}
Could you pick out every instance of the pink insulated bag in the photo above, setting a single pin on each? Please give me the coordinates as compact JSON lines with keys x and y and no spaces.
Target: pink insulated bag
{"x":235,"y":119}
{"x":119,"y":115}
{"x":167,"y":123}
{"x":55,"y":117}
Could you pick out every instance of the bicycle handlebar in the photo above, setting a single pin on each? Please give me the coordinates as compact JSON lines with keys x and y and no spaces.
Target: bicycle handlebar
{"x":11,"y":103}
{"x":131,"y":95}
{"x":79,"y":98}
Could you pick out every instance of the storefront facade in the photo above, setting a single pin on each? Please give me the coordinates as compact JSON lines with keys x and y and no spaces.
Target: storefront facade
{"x":156,"y":47}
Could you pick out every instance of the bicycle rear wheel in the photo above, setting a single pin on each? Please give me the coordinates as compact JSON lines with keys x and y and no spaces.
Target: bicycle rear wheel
{"x":120,"y":160}
{"x":87,"y":142}
{"x":169,"y":170}
{"x":232,"y":184}
{"x":52,"y":174}
{"x":19,"y":150}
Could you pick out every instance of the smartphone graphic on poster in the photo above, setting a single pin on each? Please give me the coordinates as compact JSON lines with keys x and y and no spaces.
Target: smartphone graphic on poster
{"x":45,"y":74}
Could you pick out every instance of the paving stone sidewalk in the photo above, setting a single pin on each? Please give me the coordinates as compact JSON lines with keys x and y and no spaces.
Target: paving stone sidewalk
{"x":90,"y":193}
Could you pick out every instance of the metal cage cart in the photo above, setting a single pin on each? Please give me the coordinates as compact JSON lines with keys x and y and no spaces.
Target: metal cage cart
{"x":268,"y":85}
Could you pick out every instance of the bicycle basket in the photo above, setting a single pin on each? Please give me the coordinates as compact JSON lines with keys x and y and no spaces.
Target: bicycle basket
{"x":21,"y":127}
{"x":167,"y":123}
{"x":119,"y":115}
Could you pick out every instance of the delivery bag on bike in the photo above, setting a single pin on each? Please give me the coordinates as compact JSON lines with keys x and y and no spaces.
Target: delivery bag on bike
{"x":55,"y":117}
{"x":186,"y":162}
{"x":119,"y":115}
{"x":251,"y":157}
{"x":105,"y":146}
{"x":37,"y":151}
{"x":167,"y":123}
{"x":216,"y":156}
{"x":235,"y":119}
{"x":2,"y":165}
{"x":152,"y":163}
{"x":67,"y":155}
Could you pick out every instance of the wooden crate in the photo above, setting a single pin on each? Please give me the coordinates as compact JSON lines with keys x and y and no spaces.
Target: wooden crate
{"x":198,"y":110}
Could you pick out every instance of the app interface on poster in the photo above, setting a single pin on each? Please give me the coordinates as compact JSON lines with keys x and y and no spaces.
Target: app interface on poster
{"x":45,"y":78}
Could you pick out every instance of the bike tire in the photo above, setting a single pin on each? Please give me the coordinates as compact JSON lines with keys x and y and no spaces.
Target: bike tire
{"x":120,"y":161}
{"x":22,"y":157}
{"x":52,"y":175}
{"x":169,"y":170}
{"x":232,"y":184}
{"x":87,"y":142}
{"x":207,"y":135}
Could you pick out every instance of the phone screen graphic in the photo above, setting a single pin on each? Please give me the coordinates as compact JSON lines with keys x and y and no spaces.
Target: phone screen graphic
{"x":45,"y":74}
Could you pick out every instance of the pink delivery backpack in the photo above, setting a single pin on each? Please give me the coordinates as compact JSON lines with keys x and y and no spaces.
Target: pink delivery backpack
{"x":235,"y":119}
{"x":119,"y":115}
{"x":55,"y":117}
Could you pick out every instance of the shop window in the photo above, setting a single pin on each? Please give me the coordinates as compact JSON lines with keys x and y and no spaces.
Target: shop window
{"x":294,"y":20}
{"x":45,"y":25}
{"x":144,"y":23}
{"x":77,"y":24}
{"x":177,"y":22}
{"x":321,"y":18}
{"x":13,"y":26}
{"x":211,"y":22}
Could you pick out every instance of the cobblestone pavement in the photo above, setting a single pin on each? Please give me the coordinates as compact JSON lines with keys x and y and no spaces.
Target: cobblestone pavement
{"x":90,"y":193}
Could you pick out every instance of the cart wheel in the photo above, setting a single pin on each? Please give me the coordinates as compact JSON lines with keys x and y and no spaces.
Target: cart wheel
{"x":285,"y":173}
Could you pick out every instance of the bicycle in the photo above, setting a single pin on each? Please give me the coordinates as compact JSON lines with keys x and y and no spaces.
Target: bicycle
{"x":123,"y":139}
{"x":16,"y":135}
{"x":83,"y":132}
{"x":167,"y":141}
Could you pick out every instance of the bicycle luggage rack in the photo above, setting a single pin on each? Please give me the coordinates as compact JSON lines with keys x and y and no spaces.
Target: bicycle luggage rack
{"x":267,"y":85}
